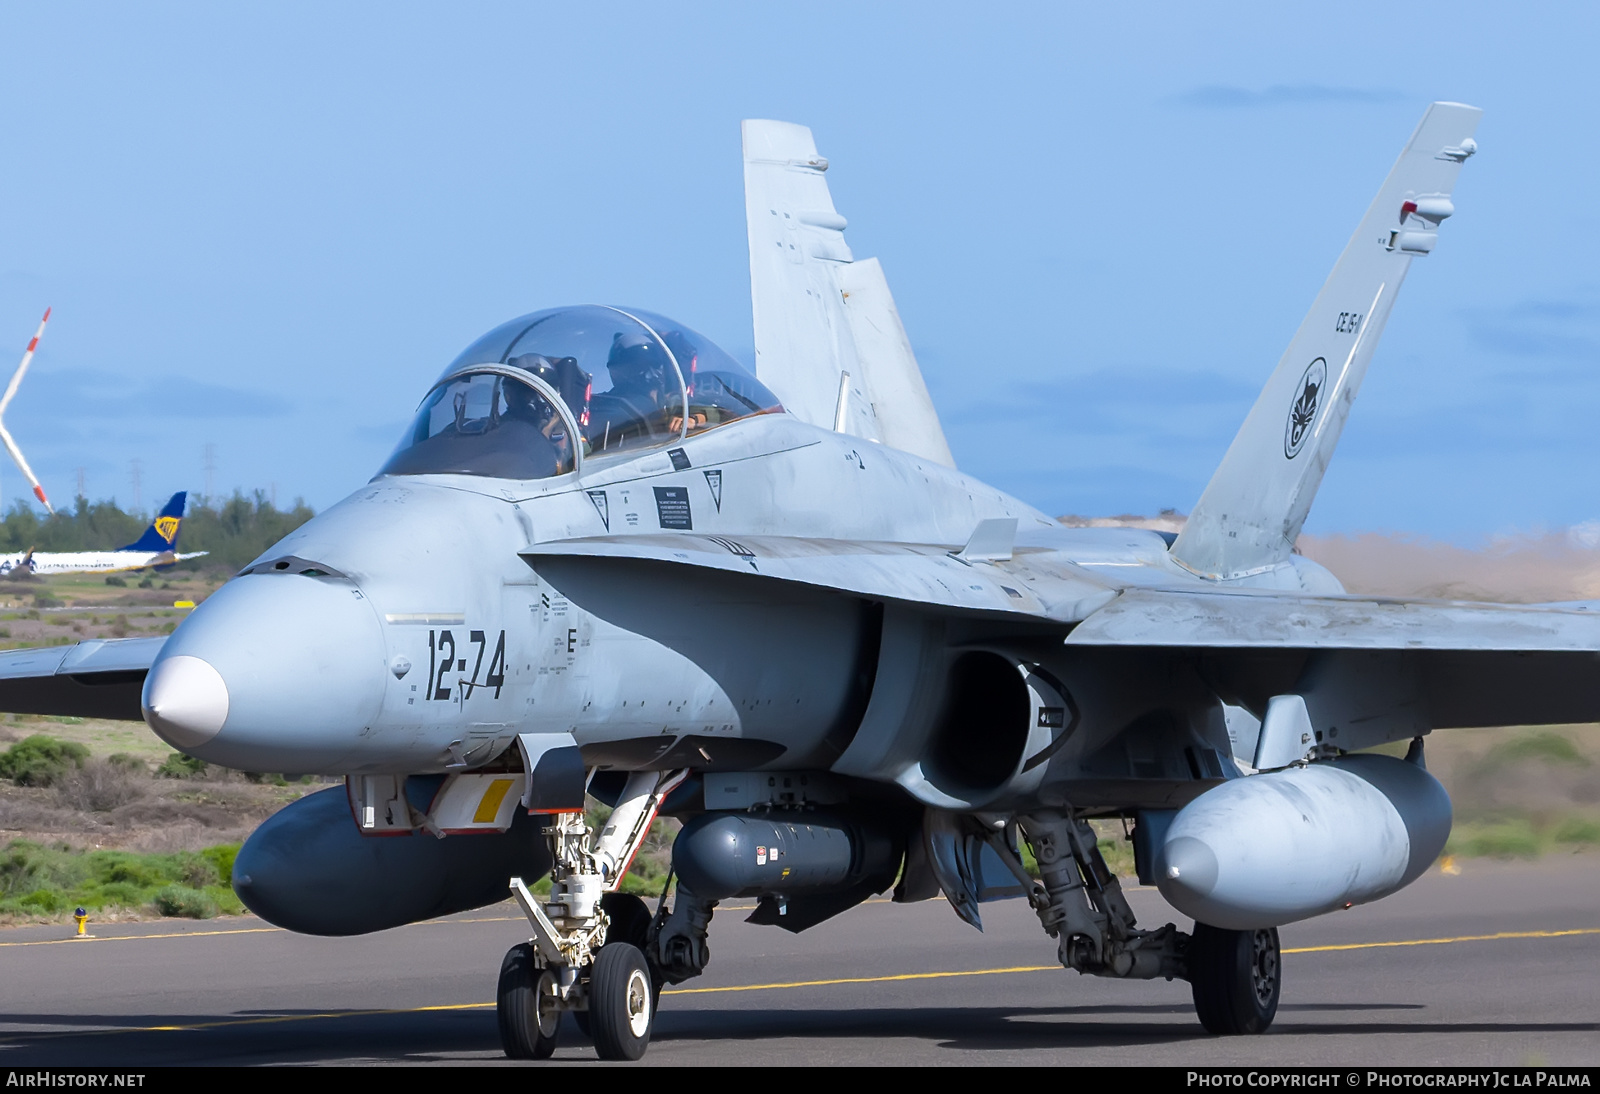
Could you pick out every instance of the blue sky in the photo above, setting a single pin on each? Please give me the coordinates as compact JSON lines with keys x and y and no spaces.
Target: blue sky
{"x":268,"y":228}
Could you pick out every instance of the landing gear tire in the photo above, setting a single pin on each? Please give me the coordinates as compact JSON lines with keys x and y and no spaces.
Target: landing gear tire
{"x":630,"y":923}
{"x":527,"y":1003}
{"x":621,"y":1002}
{"x":1236,"y":977}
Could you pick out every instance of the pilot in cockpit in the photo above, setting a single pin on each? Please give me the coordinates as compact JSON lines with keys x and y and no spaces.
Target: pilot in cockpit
{"x":642,"y":386}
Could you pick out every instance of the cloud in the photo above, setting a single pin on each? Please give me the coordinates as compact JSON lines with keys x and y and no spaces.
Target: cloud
{"x":90,"y":394}
{"x":1112,"y":401}
{"x":1540,"y":328}
{"x":1223,"y":97}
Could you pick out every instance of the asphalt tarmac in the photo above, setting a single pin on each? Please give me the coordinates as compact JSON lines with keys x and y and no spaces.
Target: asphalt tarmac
{"x":1499,"y":965}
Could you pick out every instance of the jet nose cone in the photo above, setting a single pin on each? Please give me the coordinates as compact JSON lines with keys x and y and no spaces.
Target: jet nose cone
{"x":185,"y":701}
{"x":280,"y":672}
{"x":1189,"y":865}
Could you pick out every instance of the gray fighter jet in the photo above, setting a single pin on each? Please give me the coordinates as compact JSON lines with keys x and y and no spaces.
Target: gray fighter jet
{"x":605,"y":558}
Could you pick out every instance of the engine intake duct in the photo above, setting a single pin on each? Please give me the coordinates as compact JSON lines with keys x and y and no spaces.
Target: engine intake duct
{"x":983,"y":730}
{"x":803,"y":867}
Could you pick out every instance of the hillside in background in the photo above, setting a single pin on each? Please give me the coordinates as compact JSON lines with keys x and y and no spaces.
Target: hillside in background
{"x":1524,"y":568}
{"x":234,"y":530}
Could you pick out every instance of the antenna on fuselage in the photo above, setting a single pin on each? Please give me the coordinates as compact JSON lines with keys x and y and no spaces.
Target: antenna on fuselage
{"x":5,"y":401}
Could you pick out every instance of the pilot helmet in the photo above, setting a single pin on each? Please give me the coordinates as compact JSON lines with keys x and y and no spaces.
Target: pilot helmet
{"x":561,"y":373}
{"x":636,"y":360}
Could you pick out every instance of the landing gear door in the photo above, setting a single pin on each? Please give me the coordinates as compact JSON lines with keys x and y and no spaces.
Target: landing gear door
{"x":967,"y":867}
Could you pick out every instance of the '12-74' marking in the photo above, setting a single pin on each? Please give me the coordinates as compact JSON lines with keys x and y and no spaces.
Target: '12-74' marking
{"x":442,"y":661}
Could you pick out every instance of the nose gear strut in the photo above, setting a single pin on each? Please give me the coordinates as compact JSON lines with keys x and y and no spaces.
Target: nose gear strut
{"x":573,"y":962}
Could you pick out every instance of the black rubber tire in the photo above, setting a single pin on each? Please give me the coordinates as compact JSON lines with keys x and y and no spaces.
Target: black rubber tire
{"x":1236,"y":977}
{"x":526,"y":1033}
{"x":630,"y":923}
{"x":621,"y":1003}
{"x":630,"y":919}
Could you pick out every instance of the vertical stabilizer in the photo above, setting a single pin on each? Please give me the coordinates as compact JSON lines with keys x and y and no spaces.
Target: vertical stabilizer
{"x":1251,"y":512}
{"x":162,"y":534}
{"x":828,"y":338}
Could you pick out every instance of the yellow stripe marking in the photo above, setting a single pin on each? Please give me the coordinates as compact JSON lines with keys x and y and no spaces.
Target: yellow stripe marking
{"x":282,"y":1018}
{"x":860,"y":980}
{"x":489,"y":807}
{"x":1445,"y":941}
{"x":137,"y":937}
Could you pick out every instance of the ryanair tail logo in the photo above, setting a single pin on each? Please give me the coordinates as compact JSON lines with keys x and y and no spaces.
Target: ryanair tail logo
{"x":167,"y":528}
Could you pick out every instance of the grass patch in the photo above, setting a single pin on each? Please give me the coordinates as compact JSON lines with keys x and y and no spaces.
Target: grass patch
{"x":1515,"y":838}
{"x":184,"y":903}
{"x":1545,"y":746}
{"x":180,"y":766}
{"x":36,"y":880}
{"x":1522,"y":837}
{"x":1577,"y":830}
{"x":41,"y":760}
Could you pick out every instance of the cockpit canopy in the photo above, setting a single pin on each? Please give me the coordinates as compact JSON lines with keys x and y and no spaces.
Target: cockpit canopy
{"x":535,"y":397}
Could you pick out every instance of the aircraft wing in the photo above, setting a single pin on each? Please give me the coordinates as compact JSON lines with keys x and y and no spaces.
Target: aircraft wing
{"x":1243,"y":620}
{"x":95,"y":679}
{"x":1034,"y":586}
{"x":1371,"y":669}
{"x":1381,"y":668}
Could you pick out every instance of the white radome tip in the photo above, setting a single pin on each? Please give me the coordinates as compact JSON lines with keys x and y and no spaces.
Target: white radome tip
{"x":185,"y":701}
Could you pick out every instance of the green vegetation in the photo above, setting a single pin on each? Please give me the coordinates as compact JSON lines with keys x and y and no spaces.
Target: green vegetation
{"x":1521,"y":837}
{"x":50,"y":881}
{"x":116,"y":581}
{"x":182,"y":902}
{"x":41,"y":760}
{"x":1115,"y":848}
{"x":1546,"y":746}
{"x":180,"y":766}
{"x":234,"y":530}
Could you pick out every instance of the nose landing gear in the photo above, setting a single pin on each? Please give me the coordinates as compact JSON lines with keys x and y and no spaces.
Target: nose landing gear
{"x":587,"y":954}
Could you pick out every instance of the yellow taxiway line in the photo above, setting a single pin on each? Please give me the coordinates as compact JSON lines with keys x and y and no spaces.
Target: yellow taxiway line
{"x":1445,"y":941}
{"x":777,"y":986}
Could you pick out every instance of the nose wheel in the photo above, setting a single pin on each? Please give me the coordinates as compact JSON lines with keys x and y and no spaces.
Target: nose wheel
{"x":528,"y":1004}
{"x":621,"y":1003}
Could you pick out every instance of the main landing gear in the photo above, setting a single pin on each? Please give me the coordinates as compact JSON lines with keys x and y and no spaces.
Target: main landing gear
{"x":1235,"y":976}
{"x":589,"y":945}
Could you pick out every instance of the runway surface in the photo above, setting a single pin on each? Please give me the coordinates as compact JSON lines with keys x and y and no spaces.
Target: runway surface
{"x":1495,"y":966}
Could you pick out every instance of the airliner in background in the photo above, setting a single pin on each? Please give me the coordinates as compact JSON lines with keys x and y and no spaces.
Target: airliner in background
{"x":158,"y":547}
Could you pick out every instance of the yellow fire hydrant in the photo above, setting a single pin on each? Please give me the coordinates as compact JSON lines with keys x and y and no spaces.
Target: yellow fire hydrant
{"x":82,"y":916}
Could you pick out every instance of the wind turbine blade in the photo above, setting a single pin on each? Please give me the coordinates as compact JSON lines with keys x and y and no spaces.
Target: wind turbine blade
{"x":5,"y":401}
{"x":22,"y":369}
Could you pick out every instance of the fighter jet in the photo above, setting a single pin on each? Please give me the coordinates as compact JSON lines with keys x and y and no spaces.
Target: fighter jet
{"x":607,"y":559}
{"x":157,"y":548}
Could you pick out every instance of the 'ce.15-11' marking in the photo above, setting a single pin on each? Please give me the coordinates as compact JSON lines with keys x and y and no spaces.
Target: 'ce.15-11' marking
{"x":442,"y":659}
